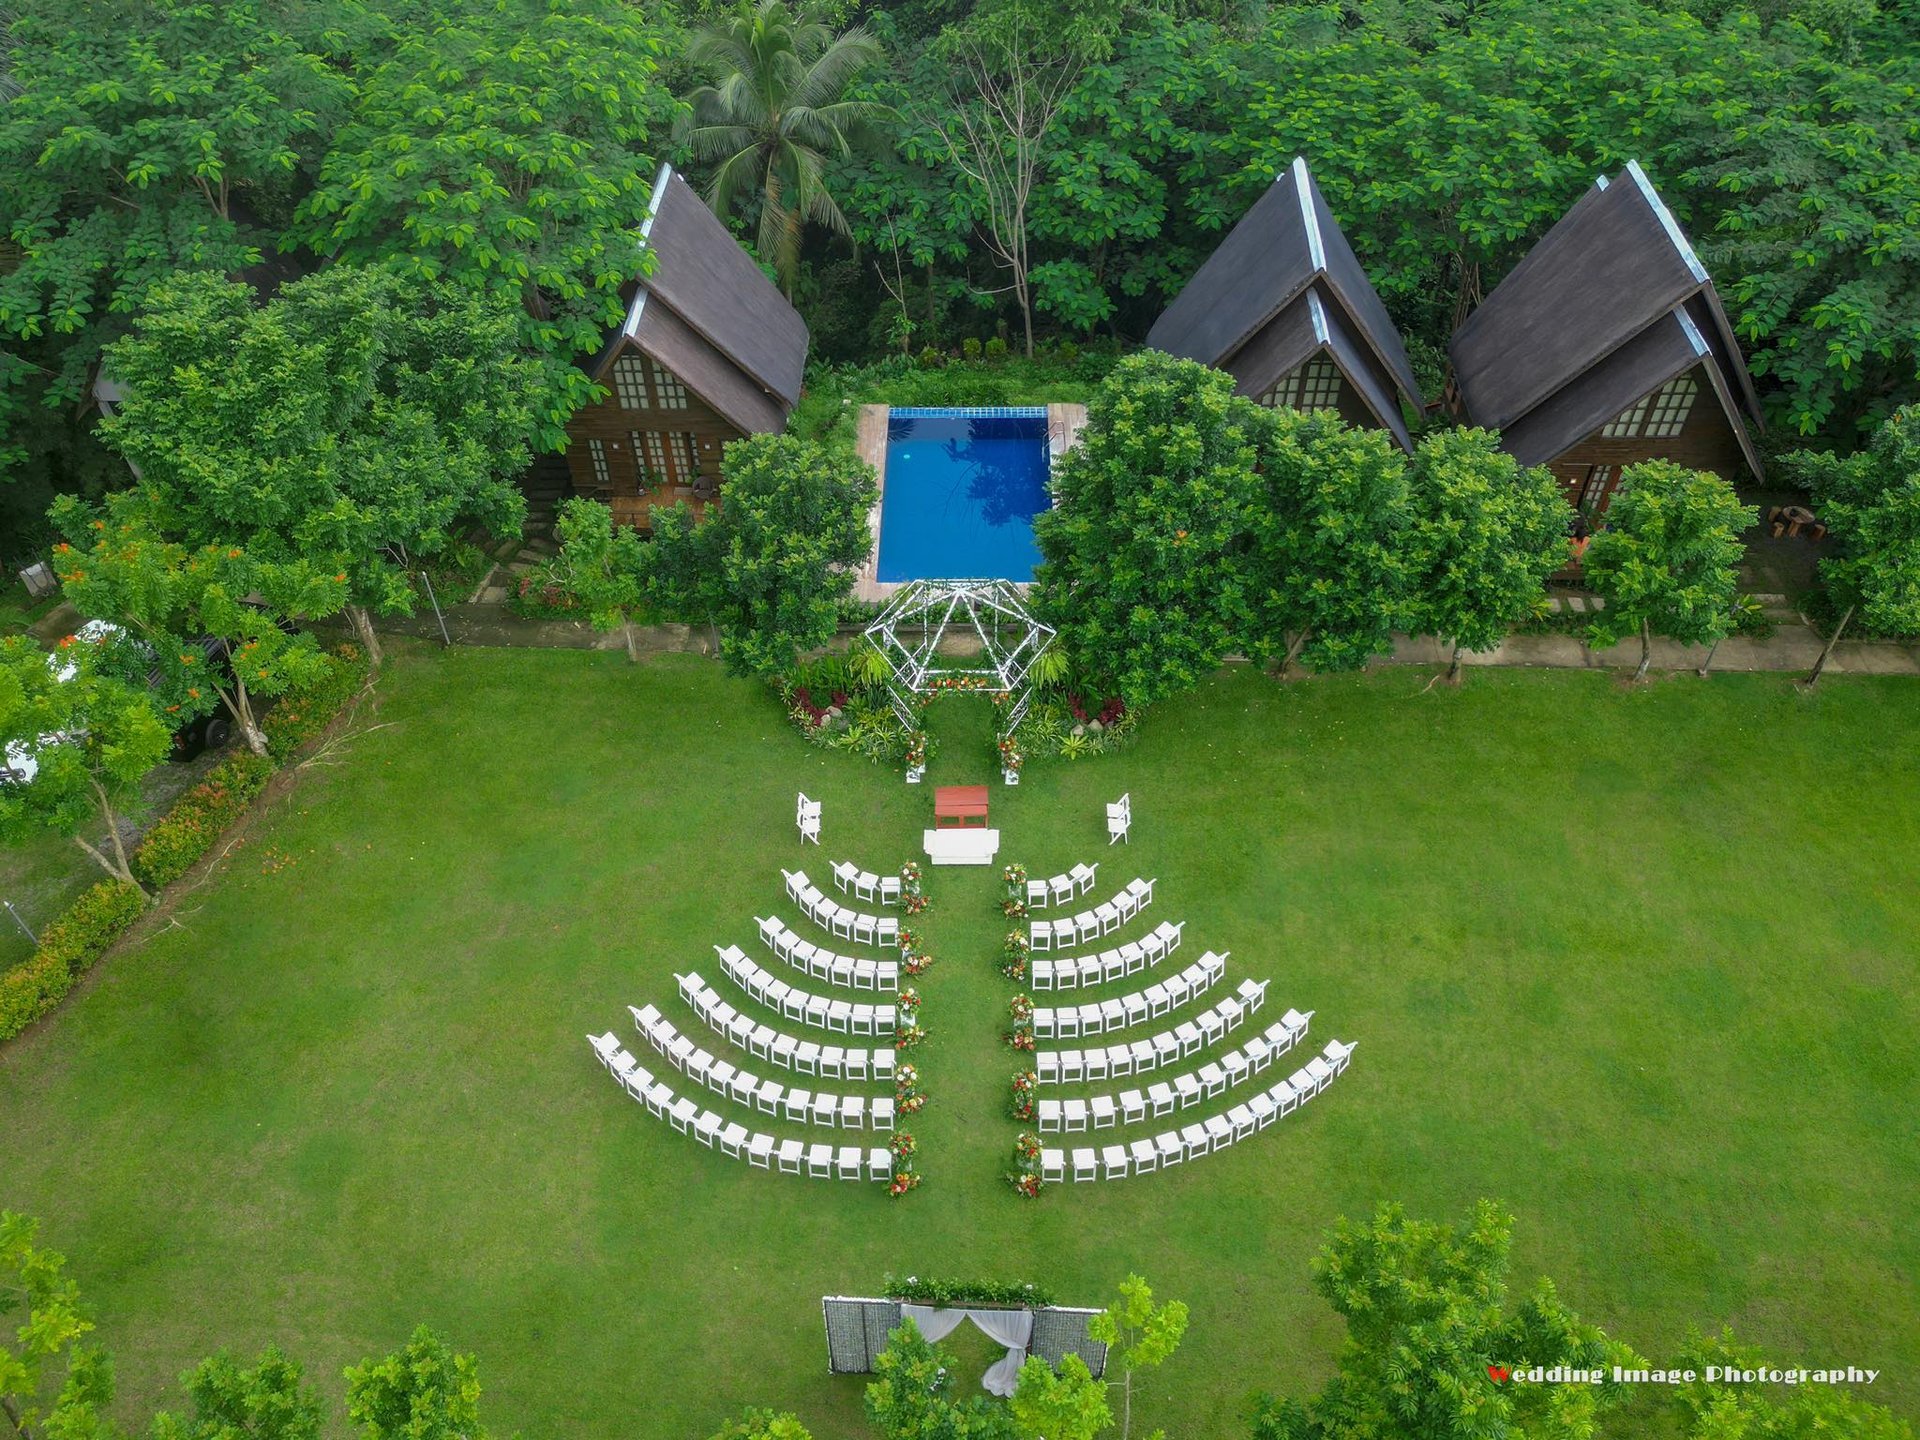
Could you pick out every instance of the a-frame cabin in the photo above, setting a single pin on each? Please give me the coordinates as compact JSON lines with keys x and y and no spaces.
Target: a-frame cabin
{"x":709,"y":351}
{"x":1606,"y":345}
{"x":1284,"y":306}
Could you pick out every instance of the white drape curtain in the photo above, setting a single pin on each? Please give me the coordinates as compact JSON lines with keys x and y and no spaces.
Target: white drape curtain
{"x":1011,"y":1328}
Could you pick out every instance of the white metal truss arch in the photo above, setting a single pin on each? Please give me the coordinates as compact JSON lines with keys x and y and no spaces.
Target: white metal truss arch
{"x":925,"y":611}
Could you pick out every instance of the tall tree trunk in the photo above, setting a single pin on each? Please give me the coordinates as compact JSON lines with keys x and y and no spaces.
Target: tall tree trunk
{"x":1026,"y":314}
{"x":1646,"y":650}
{"x":1833,"y":640}
{"x":633,"y":650}
{"x":240,"y":706}
{"x":363,"y":627}
{"x":1453,"y":666}
{"x":1294,"y":647}
{"x":116,"y":865}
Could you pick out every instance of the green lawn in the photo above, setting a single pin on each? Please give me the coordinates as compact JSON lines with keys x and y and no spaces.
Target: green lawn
{"x":1640,"y":963}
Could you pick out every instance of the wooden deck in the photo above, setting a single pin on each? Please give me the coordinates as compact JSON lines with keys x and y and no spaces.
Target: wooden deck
{"x":637,"y":510}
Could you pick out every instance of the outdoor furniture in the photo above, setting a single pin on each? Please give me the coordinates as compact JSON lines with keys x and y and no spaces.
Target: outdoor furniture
{"x":1120,"y":818}
{"x":960,"y":807}
{"x":1792,"y":519}
{"x":807,"y":818}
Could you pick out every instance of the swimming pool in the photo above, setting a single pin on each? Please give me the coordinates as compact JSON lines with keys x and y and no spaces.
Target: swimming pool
{"x":962,"y":488}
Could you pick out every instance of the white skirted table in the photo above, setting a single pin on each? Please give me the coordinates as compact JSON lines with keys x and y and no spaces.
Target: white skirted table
{"x":971,"y":846}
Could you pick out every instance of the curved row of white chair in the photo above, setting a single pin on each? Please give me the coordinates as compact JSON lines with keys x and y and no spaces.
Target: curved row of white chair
{"x":770,"y":1097}
{"x":1102,"y":919}
{"x":864,"y":884}
{"x":835,"y":918}
{"x":763,"y":1042}
{"x":1203,"y":1137}
{"x":823,"y":964}
{"x":1115,"y":964}
{"x":819,"y":1161}
{"x":1067,"y":1067}
{"x":1100,"y":1112}
{"x":1117,"y":1013}
{"x":1059,"y":889}
{"x":823,"y":1012}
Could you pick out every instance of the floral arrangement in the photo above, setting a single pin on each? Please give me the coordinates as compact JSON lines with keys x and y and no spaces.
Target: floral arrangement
{"x":1013,"y":909}
{"x":903,"y":1181}
{"x":1024,"y":1177}
{"x":912,"y":891}
{"x":906,"y":1037}
{"x":903,"y":1146}
{"x":1013,"y":956}
{"x":908,"y":1097}
{"x":1025,"y":1087}
{"x":961,"y":682}
{"x":916,"y":962}
{"x":1020,"y":1007}
{"x":907,"y":1002}
{"x":1016,"y":878}
{"x":909,"y":939}
{"x":1019,"y":1035}
{"x":916,"y":751}
{"x":1010,"y":756}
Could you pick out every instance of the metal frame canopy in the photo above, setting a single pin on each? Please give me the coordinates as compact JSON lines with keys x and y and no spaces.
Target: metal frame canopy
{"x":1010,"y":638}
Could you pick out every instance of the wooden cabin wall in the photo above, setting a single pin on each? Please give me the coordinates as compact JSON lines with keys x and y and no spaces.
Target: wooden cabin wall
{"x":615,"y":427}
{"x":1706,"y":442}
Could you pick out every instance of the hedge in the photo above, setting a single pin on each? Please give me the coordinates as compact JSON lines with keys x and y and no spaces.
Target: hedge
{"x":921,"y":1290}
{"x":198,"y":817}
{"x":68,"y":948}
{"x":82,"y":933}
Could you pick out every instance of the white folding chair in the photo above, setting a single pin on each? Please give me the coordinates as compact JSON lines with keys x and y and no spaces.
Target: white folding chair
{"x":1086,"y":1165}
{"x":1060,"y":889}
{"x":820,"y":1162}
{"x":791,"y":1154}
{"x":1053,"y":1166}
{"x":760,"y":1151}
{"x":879,"y":1163}
{"x":1146,"y":1159}
{"x":843,"y":873}
{"x":1119,"y":819}
{"x":1170,"y":1148}
{"x":851,"y":1162}
{"x":1105,"y":1113}
{"x":1113,"y":1159}
{"x":1196,"y":1139}
{"x":1133,"y":1107}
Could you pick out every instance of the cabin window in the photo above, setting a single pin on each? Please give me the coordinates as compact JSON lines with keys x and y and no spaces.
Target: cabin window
{"x":630,"y":382}
{"x":1313,"y":386}
{"x":597,"y":454}
{"x":1627,"y":424}
{"x":668,"y":392}
{"x":647,"y":443}
{"x":1595,"y":490}
{"x":1672,"y":403}
{"x":686,"y":463}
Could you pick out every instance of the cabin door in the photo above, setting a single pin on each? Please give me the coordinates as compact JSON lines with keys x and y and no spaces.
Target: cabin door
{"x":1596,"y":489}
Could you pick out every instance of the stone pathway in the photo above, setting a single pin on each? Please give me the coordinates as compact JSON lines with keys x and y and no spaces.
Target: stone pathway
{"x":513,"y":559}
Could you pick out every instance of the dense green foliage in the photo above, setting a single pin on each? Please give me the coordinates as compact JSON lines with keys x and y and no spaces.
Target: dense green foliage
{"x":68,"y":947}
{"x":1427,"y":1321}
{"x":770,"y":566}
{"x":357,"y":423}
{"x":1731,"y":1410}
{"x":1872,"y":501}
{"x":1668,"y":560}
{"x":171,"y":847}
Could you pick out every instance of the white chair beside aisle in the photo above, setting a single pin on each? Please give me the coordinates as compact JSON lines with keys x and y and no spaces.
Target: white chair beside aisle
{"x":854,"y":971}
{"x":822,"y":1012}
{"x":1120,"y":818}
{"x":776,"y":1047}
{"x":807,"y":817}
{"x":1178,"y":1092}
{"x":1202,"y":1137}
{"x":835,"y":918}
{"x":1059,"y":889}
{"x":1102,"y":919}
{"x":1072,"y":1067}
{"x":864,"y":884}
{"x":804,"y":1106}
{"x":732,"y":1139}
{"x":1117,"y":1013}
{"x":1081,"y":971}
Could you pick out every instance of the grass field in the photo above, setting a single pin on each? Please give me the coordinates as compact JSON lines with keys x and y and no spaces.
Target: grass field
{"x":1639,"y":963}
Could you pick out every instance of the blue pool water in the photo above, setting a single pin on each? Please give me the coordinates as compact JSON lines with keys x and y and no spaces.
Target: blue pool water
{"x":962,"y":488}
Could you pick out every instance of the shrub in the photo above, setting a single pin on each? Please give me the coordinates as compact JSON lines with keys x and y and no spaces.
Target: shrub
{"x":197,"y":818}
{"x":544,"y":593}
{"x":67,"y":948}
{"x":299,"y":718}
{"x":970,"y":348}
{"x":996,"y":349}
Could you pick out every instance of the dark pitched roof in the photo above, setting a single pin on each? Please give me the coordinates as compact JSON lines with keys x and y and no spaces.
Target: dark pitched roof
{"x":1610,"y":303}
{"x":1313,"y":327}
{"x":1285,"y":243}
{"x":724,"y":314}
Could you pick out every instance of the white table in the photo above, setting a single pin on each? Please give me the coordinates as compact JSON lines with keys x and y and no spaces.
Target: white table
{"x":961,"y":846}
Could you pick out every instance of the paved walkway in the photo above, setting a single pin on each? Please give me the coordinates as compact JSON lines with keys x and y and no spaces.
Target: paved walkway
{"x":1793,"y":648}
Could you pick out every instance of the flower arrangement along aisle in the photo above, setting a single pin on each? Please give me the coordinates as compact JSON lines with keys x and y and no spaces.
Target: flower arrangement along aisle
{"x":908,"y":1035}
{"x":908,"y":1097}
{"x":1020,"y":1036}
{"x":916,"y":962}
{"x":906,"y":1175}
{"x":1026,"y":1086}
{"x":909,"y":939}
{"x":1011,"y":758}
{"x":1013,"y":899}
{"x":1013,"y":956}
{"x":1024,"y":1177}
{"x":912,"y":891}
{"x":907,"y":1004}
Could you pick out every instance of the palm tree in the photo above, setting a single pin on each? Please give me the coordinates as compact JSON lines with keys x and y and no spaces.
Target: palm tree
{"x":774,"y":114}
